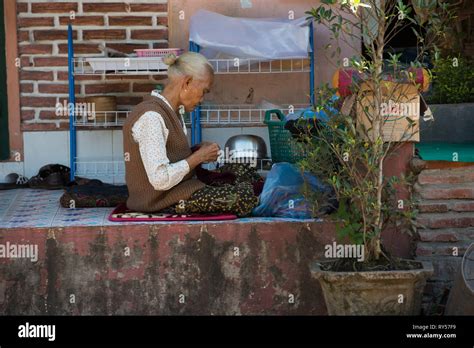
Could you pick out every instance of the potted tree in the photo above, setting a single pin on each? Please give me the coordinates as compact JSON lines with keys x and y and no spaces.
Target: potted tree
{"x":350,"y":152}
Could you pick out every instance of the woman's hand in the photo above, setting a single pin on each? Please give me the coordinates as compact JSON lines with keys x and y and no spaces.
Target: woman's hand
{"x":207,"y":152}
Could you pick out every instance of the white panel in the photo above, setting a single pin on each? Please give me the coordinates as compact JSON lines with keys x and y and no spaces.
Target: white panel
{"x":94,"y":143}
{"x":117,"y":152}
{"x":117,"y":143}
{"x":95,"y":146}
{"x":43,"y":148}
{"x":11,"y":167}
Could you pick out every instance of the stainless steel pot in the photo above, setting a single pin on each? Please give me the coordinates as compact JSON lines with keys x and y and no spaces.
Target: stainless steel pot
{"x":246,"y":145}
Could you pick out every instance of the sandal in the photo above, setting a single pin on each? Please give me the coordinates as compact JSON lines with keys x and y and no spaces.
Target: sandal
{"x":14,"y":181}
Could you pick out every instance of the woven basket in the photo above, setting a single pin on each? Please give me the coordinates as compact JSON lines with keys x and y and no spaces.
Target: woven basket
{"x":105,"y":107}
{"x":282,"y":145}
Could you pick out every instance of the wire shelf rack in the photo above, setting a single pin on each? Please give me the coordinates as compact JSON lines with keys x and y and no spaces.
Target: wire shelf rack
{"x":210,"y":115}
{"x":111,"y":169}
{"x":115,"y":168}
{"x":100,"y":119}
{"x":119,"y":66}
{"x":240,"y":114}
{"x":260,"y":66}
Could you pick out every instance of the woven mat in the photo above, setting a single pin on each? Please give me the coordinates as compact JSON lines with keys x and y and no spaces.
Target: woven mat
{"x":121,"y":213}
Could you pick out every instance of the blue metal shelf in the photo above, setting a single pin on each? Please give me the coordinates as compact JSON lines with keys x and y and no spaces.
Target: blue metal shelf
{"x":252,"y":66}
{"x":107,"y":66}
{"x":222,"y":67}
{"x":72,"y":101}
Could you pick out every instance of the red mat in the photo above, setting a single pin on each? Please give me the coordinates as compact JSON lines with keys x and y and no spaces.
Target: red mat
{"x":121,"y":213}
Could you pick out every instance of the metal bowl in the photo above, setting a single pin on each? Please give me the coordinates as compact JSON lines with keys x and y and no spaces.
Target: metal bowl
{"x":246,"y":145}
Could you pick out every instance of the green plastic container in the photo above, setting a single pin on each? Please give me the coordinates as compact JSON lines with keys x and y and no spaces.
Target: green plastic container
{"x":282,"y":145}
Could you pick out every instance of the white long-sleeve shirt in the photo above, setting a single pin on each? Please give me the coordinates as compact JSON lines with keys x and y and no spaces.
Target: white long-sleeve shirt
{"x":151,"y":134}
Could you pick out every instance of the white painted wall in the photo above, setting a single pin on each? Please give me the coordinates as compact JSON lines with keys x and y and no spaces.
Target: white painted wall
{"x":43,"y":148}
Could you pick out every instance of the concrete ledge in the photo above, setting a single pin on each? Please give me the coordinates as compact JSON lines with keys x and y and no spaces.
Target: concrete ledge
{"x":192,"y":269}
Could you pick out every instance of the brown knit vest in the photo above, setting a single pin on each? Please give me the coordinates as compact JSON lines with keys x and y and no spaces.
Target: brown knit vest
{"x":141,"y":194}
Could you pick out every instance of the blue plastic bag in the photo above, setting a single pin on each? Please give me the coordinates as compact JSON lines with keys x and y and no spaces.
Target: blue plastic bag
{"x":310,"y":113}
{"x":281,"y":195}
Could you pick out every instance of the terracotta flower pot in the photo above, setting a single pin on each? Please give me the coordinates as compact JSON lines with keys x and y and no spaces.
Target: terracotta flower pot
{"x":373,"y":293}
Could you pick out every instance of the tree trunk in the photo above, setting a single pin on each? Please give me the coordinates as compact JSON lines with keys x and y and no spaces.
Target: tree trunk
{"x":378,"y":127}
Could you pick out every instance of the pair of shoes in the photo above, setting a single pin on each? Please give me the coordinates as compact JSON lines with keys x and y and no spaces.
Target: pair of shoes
{"x":50,"y":177}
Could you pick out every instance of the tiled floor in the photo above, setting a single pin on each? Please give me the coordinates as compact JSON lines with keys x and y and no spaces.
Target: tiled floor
{"x":40,"y":208}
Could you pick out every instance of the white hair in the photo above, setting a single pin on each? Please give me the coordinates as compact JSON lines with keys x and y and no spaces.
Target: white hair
{"x":188,"y":64}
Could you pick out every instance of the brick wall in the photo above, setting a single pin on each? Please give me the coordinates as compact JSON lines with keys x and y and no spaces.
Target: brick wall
{"x":42,"y":45}
{"x":446,"y":227}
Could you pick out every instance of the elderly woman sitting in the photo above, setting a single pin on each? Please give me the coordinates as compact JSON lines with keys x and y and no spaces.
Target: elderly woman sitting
{"x":160,"y":166}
